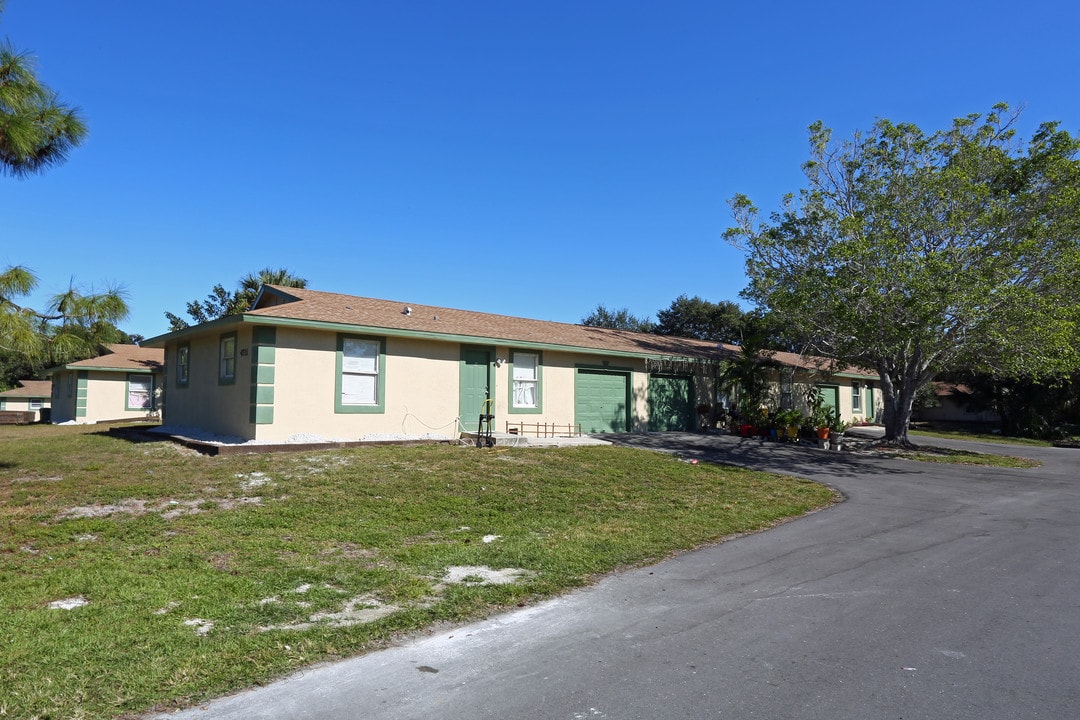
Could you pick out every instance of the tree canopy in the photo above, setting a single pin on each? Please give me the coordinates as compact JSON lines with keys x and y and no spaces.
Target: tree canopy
{"x":37,"y":130}
{"x":221,"y":302}
{"x":697,"y":318}
{"x":915,"y":253}
{"x":621,"y":319}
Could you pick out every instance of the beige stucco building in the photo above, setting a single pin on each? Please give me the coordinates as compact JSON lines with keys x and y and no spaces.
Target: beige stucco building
{"x":32,"y":396}
{"x":121,"y":384}
{"x":303,"y":363}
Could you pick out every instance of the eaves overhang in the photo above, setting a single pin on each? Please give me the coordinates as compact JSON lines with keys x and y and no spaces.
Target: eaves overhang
{"x":359,"y":329}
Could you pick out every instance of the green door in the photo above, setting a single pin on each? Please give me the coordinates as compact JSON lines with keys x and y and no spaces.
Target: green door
{"x":475,"y":386}
{"x":830,"y":394}
{"x":871,"y":408}
{"x":670,"y":403}
{"x":602,"y":401}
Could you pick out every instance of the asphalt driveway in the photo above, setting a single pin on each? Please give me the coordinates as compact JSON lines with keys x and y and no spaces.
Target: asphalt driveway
{"x":935,"y":591}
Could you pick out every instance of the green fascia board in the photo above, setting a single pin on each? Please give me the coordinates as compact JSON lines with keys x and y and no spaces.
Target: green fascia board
{"x":211,"y":325}
{"x":83,"y":368}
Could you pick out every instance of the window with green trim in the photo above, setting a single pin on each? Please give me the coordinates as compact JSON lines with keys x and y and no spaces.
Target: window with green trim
{"x":526,"y":380}
{"x":227,"y":359}
{"x":360,"y":372}
{"x":183,"y":365}
{"x":140,"y":392}
{"x":856,"y":397}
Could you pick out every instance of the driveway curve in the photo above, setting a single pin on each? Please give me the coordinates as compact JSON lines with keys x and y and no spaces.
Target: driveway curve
{"x":934,"y":591}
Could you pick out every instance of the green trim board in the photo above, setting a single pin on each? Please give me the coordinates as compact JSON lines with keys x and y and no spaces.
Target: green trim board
{"x":263,"y":374}
{"x":81,"y":392}
{"x":539,"y":407}
{"x":379,"y":406}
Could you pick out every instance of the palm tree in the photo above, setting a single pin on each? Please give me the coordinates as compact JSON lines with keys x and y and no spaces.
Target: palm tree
{"x":252,"y":282}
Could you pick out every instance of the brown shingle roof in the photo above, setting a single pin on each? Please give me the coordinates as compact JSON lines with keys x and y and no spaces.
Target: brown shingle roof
{"x":819,"y":364}
{"x":316,"y":306}
{"x":125,"y":357}
{"x":30,"y":389}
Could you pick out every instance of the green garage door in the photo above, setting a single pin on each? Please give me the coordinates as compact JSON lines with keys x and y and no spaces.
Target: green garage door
{"x":602,"y":401}
{"x":670,"y":403}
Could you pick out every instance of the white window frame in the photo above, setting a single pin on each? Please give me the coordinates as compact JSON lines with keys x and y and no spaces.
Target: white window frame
{"x":360,"y":372}
{"x":856,"y":397}
{"x":147,"y":404}
{"x":36,"y":404}
{"x":523,"y":380}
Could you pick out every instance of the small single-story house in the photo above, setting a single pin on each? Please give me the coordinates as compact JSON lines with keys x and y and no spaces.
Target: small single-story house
{"x":953,"y":400}
{"x":302,"y":363}
{"x":121,"y":384}
{"x":32,"y":396}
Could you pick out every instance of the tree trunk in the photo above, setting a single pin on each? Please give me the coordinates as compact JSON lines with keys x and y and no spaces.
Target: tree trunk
{"x":898,"y":395}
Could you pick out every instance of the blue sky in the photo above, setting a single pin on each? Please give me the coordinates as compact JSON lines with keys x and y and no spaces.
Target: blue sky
{"x":526,"y":158}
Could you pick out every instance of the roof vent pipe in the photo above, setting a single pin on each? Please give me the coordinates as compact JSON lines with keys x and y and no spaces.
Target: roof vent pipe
{"x":407,"y":310}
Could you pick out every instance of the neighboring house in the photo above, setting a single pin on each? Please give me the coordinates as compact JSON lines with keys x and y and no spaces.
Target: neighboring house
{"x":32,"y":396}
{"x":122,"y":384}
{"x":304,"y":363}
{"x":953,"y":400}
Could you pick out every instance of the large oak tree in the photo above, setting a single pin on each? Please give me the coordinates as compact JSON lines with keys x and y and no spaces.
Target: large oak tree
{"x":916,"y":253}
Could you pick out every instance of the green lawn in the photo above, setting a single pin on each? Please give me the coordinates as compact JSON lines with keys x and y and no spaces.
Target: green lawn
{"x":960,"y":431}
{"x":202,"y":575}
{"x":963,"y":457}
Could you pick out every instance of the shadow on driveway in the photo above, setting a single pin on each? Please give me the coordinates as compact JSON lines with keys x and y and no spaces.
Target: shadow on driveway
{"x":758,"y":454}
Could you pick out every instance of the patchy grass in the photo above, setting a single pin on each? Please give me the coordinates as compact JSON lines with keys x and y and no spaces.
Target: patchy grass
{"x":978,"y":433}
{"x":187,"y":576}
{"x":962,"y":457}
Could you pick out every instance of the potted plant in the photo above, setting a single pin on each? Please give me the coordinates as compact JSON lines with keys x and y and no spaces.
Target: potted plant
{"x":836,"y":432}
{"x":789,"y":421}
